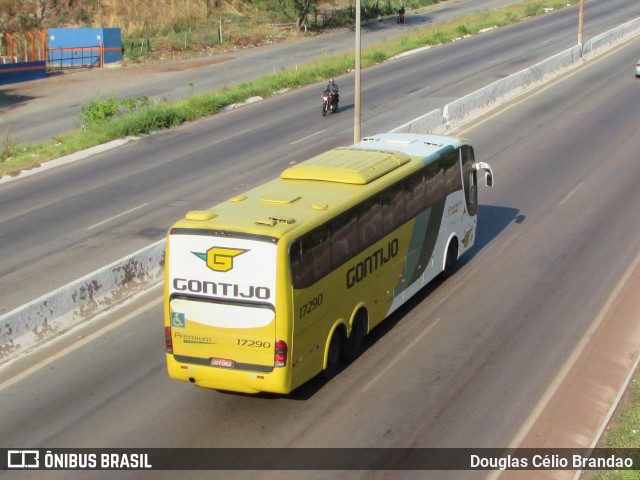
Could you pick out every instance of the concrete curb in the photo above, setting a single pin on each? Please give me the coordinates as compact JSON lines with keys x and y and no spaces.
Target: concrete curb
{"x":73,"y":157}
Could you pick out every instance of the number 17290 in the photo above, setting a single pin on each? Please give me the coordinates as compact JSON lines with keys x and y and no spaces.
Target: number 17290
{"x":311,"y":305}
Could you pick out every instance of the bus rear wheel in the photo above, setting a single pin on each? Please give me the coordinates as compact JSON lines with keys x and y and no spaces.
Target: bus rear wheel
{"x":333,"y":355}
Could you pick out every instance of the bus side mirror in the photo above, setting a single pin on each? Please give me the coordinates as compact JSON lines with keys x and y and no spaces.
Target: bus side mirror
{"x":488,"y":177}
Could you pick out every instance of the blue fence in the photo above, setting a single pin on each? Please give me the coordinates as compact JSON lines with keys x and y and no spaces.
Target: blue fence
{"x":22,"y":72}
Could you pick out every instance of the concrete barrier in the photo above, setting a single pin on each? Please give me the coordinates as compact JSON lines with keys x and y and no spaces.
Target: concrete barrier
{"x":432,"y":122}
{"x":491,"y":96}
{"x":611,"y":38}
{"x":51,"y":314}
{"x":55,"y":312}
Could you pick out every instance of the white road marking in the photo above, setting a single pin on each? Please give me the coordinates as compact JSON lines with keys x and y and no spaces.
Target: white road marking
{"x":117,"y":216}
{"x":570,"y":194}
{"x":308,"y":137}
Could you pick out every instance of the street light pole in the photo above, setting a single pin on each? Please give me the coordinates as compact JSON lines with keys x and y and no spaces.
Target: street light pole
{"x":581,"y":23}
{"x":356,"y":110}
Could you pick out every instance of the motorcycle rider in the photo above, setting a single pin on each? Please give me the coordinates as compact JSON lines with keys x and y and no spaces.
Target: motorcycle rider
{"x":332,"y":88}
{"x":400,"y":14}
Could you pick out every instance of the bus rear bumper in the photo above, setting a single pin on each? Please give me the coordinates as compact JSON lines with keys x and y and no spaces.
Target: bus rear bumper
{"x":240,"y":381}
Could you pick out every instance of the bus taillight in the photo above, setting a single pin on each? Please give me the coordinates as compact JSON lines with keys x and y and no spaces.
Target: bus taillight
{"x":280,"y":357}
{"x":168,"y":343}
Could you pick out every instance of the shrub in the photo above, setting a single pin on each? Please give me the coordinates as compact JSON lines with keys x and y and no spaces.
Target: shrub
{"x":98,"y":111}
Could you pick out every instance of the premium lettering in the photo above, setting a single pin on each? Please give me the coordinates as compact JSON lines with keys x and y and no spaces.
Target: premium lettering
{"x":223,"y":289}
{"x":370,"y":264}
{"x":192,"y":338}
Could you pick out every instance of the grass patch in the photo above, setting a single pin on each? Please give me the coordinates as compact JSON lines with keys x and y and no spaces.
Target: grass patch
{"x":105,"y":120}
{"x":623,"y":431}
{"x":10,"y":148}
{"x":97,"y":112}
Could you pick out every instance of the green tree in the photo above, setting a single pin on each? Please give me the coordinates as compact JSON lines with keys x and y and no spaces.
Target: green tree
{"x":302,"y":8}
{"x":10,"y":11}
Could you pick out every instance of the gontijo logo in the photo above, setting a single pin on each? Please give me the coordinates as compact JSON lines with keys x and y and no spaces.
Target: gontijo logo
{"x":220,"y":259}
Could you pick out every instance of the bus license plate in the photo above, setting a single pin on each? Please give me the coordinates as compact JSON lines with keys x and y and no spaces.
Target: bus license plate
{"x":222,"y":362}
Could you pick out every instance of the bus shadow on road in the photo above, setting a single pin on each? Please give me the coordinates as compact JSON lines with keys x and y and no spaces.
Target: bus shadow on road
{"x":492,"y":220}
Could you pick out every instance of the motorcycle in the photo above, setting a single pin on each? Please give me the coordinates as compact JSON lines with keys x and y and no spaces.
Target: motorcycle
{"x":329,"y":103}
{"x":400,"y":16}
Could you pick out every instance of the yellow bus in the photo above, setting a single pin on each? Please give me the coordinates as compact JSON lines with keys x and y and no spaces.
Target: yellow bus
{"x":272,"y":287}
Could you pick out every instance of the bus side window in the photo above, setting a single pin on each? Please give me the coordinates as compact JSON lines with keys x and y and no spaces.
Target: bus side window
{"x":415,"y":198}
{"x":470,"y":179}
{"x":369,"y":223}
{"x":301,"y":259}
{"x":435,"y":183}
{"x":344,"y":238}
{"x":472,"y":197}
{"x":321,"y":252}
{"x":452,"y":175}
{"x":392,"y":208}
{"x":310,"y":257}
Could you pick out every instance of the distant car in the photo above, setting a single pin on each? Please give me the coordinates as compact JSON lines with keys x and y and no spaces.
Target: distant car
{"x":638,"y":69}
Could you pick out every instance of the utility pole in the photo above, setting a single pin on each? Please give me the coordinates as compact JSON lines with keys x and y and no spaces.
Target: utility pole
{"x":356,"y":110}
{"x":581,"y":23}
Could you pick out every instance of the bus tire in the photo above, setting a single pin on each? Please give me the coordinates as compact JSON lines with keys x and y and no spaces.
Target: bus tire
{"x":355,"y":343}
{"x":334,"y":355}
{"x":451,"y":259}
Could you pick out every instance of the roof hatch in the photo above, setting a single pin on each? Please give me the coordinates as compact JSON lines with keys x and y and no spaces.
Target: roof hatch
{"x":344,"y":165}
{"x":200,"y":215}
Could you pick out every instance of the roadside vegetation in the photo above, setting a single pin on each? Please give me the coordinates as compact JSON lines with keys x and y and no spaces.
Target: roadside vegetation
{"x":112,"y":118}
{"x":623,"y":431}
{"x":166,"y":28}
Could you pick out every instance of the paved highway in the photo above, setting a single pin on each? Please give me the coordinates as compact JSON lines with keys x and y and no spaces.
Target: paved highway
{"x":61,"y":224}
{"x":468,"y":363}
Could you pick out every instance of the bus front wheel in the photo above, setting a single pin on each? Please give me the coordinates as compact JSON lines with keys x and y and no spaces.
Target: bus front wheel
{"x":451,"y":259}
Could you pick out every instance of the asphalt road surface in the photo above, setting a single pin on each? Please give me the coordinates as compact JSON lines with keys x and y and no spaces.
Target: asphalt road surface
{"x":473,"y":361}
